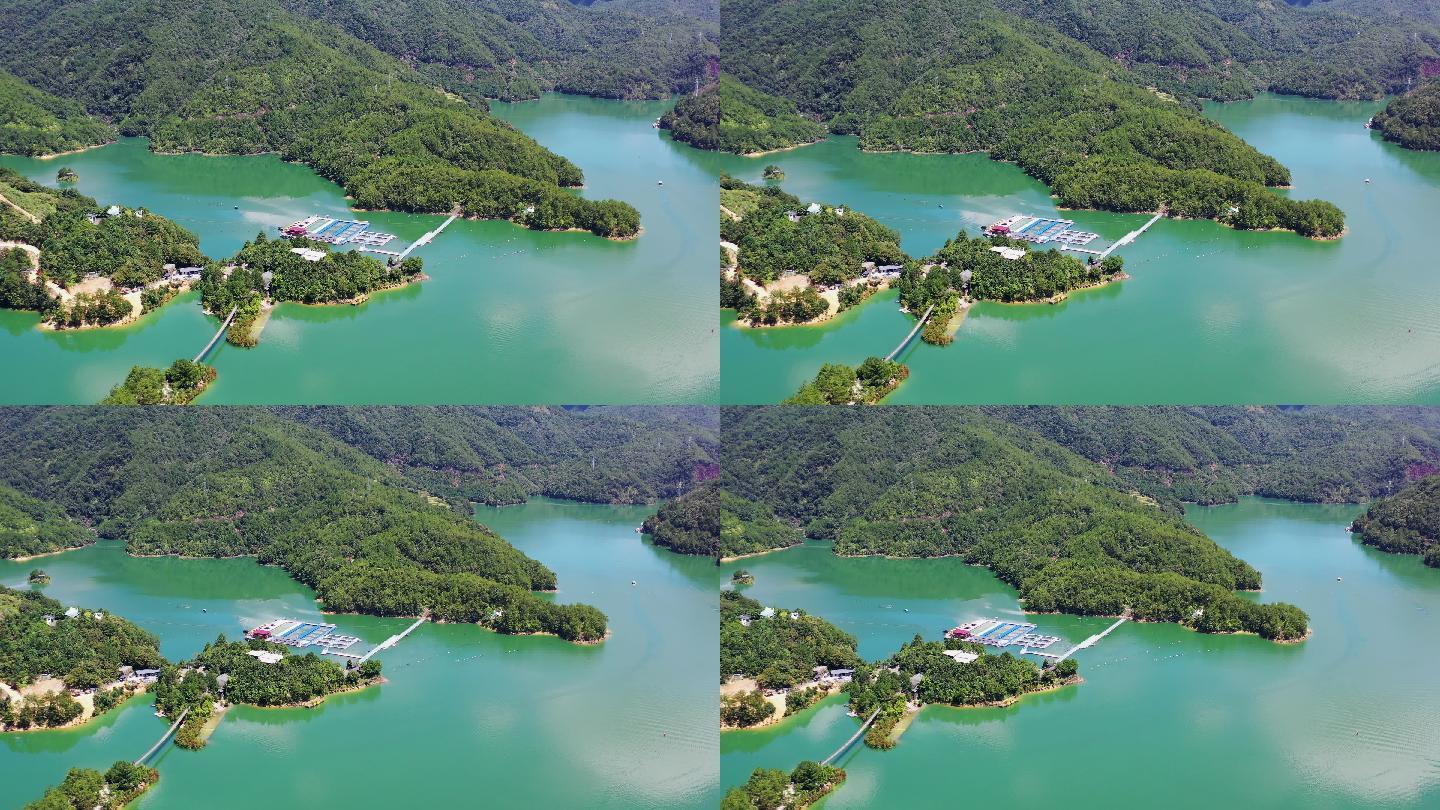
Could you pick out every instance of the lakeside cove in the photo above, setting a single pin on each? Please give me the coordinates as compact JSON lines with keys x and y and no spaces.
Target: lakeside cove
{"x":1346,"y":719}
{"x":557,"y":316}
{"x":1209,"y":313}
{"x":537,"y":717}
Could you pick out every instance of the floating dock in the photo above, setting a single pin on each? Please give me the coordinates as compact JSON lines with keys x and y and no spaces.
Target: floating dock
{"x":1041,"y":230}
{"x":337,"y":232}
{"x":300,"y":634}
{"x":1000,"y":633}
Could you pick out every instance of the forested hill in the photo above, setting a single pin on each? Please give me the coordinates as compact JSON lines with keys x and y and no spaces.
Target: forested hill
{"x":221,"y":481}
{"x":85,"y":651}
{"x":922,"y":482}
{"x":514,"y":49}
{"x":1215,"y":455}
{"x":753,"y":122}
{"x":31,"y":526}
{"x":1406,"y":523}
{"x":248,"y":76}
{"x":503,"y":456}
{"x":1413,"y":120}
{"x":935,"y":77}
{"x":689,"y":524}
{"x":1229,"y":49}
{"x":36,"y":123}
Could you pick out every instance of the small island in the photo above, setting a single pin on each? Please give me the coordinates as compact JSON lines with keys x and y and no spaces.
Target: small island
{"x":62,"y":666}
{"x":837,"y":384}
{"x":252,"y":672}
{"x":773,"y":172}
{"x":772,"y":788}
{"x":268,"y":271}
{"x":952,"y":672}
{"x":38,"y":577}
{"x":89,"y":789}
{"x":179,"y":384}
{"x":742,"y":577}
{"x":67,"y":175}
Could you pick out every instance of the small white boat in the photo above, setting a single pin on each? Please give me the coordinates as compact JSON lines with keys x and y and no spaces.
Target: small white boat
{"x":1339,"y":579}
{"x":1367,"y":179}
{"x":632,"y":582}
{"x":659,"y":182}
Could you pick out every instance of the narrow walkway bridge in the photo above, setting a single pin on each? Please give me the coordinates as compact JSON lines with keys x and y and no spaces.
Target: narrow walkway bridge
{"x":389,"y":642}
{"x":226,"y":325}
{"x":1091,"y":641}
{"x":170,"y":732}
{"x":426,"y":239}
{"x":838,"y":751}
{"x":918,"y":326}
{"x":1101,"y":255}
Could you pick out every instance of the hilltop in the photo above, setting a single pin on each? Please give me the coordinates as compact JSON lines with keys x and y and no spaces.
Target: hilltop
{"x":36,"y":123}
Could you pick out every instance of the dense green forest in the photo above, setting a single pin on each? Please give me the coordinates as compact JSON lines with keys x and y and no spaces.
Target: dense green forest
{"x":278,"y":81}
{"x":1215,"y":455}
{"x":514,"y":49}
{"x":829,"y":246}
{"x":695,"y":119}
{"x":771,"y":788}
{"x":1407,"y":522}
{"x":179,"y":384}
{"x":689,"y":524}
{"x":933,"y":77}
{"x":36,"y":123}
{"x":752,"y":122}
{"x":1413,"y":120}
{"x":29,"y":526}
{"x":502,"y":456}
{"x":89,"y":789}
{"x":750,"y":527}
{"x":86,"y":650}
{"x":778,"y":651}
{"x":1229,"y":49}
{"x":923,"y":482}
{"x":221,"y":482}
{"x":1037,"y":276}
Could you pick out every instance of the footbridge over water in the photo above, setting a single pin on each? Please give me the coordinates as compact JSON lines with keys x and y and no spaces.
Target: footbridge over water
{"x":170,"y":732}
{"x":845,"y":745}
{"x":357,"y":660}
{"x":911,"y":336}
{"x":229,"y":319}
{"x":1098,"y":256}
{"x":429,"y":237}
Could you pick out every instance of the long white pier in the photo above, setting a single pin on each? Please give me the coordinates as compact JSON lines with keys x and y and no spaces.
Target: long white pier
{"x":1128,"y":238}
{"x":1089,"y":642}
{"x":384,"y":645}
{"x":424,"y":240}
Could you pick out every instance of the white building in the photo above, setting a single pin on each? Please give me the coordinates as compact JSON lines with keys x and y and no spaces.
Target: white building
{"x":309,"y":254}
{"x":266,"y":657}
{"x":1011,"y":253}
{"x":962,"y":656}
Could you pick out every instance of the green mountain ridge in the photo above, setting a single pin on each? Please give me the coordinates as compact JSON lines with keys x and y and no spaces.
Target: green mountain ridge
{"x":1407,"y":522}
{"x":253,"y":76}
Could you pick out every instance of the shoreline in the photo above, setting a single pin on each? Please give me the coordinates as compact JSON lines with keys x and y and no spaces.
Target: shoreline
{"x":70,"y":151}
{"x":30,"y":557}
{"x":782,"y":148}
{"x":761,"y":553}
{"x":312,"y":702}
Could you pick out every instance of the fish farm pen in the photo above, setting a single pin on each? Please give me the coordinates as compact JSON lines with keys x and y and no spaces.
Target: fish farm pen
{"x":338,"y":232}
{"x":998,"y":633}
{"x":1042,"y":230}
{"x":300,"y":634}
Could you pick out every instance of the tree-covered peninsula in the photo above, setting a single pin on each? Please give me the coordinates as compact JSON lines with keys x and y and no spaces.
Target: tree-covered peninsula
{"x":279,"y":81}
{"x":689,"y":524}
{"x":1407,"y":522}
{"x":1412,"y":120}
{"x":60,"y":665}
{"x":771,"y":788}
{"x":179,"y":384}
{"x":925,"y":482}
{"x":753,"y":123}
{"x":80,"y":264}
{"x":695,"y":119}
{"x":36,"y":123}
{"x":933,"y":77}
{"x":750,"y":527}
